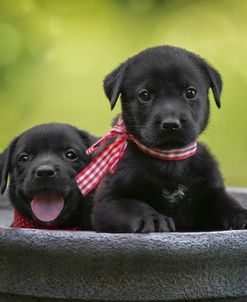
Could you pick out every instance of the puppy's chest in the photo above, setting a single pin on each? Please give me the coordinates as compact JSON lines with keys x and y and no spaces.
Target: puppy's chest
{"x":174,"y":195}
{"x":175,"y":187}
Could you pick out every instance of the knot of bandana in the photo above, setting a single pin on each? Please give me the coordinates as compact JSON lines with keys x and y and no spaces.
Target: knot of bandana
{"x":108,"y":158}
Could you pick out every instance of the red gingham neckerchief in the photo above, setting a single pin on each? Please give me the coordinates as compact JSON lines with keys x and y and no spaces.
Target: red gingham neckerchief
{"x":22,"y":222}
{"x":108,"y":158}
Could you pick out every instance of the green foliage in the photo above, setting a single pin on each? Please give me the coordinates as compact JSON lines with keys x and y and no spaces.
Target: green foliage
{"x":54,"y":55}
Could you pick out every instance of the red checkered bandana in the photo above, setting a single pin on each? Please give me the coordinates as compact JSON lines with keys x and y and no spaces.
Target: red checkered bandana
{"x":108,"y":158}
{"x":22,"y":222}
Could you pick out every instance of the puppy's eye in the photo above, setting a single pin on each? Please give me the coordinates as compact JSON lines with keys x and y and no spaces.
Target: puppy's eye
{"x":23,"y":158}
{"x":71,"y":155}
{"x":144,"y":95}
{"x":191,"y":93}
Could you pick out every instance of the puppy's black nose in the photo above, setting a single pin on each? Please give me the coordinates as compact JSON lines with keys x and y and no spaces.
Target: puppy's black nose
{"x":45,"y":171}
{"x":170,"y":124}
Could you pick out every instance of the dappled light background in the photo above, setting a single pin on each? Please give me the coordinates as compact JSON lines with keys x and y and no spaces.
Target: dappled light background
{"x":54,"y":55}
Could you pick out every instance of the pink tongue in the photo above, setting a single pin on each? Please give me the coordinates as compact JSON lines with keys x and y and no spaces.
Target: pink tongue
{"x":47,"y":206}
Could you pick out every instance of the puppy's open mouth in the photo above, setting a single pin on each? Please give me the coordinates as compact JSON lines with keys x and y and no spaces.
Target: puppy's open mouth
{"x":47,"y":206}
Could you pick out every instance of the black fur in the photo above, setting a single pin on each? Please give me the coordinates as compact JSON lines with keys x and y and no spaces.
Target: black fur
{"x":47,"y":145}
{"x":150,"y":195}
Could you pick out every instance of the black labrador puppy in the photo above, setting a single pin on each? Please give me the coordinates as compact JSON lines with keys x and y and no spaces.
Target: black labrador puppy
{"x":42,"y":163}
{"x":165,"y":105}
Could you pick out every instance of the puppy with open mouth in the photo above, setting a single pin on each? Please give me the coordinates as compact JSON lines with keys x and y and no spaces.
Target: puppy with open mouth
{"x":161,"y":179}
{"x":42,"y":163}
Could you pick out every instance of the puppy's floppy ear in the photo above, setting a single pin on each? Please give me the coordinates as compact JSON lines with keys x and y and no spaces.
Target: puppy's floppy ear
{"x":215,"y":83}
{"x":5,"y":164}
{"x":112,"y":84}
{"x":214,"y":78}
{"x":87,"y":138}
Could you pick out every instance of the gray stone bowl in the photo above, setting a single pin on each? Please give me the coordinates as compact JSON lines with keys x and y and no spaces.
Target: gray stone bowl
{"x":40,"y":265}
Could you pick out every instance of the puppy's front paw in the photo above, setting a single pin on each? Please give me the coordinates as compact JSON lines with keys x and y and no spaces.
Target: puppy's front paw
{"x":234,"y":220}
{"x":153,"y":222}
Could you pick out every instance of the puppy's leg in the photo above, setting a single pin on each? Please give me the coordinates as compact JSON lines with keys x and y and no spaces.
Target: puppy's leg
{"x":227,"y":212}
{"x":219,"y":210}
{"x":129,"y":216}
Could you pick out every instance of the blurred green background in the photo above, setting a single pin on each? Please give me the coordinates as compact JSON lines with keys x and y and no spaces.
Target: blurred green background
{"x":54,"y":55}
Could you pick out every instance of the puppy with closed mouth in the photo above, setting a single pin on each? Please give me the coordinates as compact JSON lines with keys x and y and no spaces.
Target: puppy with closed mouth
{"x":165,"y":180}
{"x":41,"y":164}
